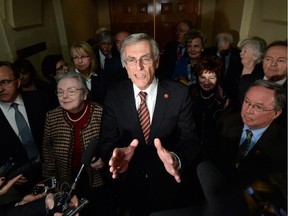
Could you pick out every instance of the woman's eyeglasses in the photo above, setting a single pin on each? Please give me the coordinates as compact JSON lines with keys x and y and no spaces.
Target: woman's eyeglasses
{"x":69,"y":91}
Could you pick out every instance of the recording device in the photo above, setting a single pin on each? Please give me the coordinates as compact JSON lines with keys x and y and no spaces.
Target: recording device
{"x":72,"y":211}
{"x":63,"y":198}
{"x":45,"y":186}
{"x":7,"y":167}
{"x":10,"y":169}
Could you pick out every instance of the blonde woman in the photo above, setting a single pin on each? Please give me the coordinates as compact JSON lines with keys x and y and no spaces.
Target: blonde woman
{"x":85,"y":63}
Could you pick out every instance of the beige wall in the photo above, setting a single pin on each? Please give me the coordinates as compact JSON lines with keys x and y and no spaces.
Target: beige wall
{"x":12,"y":39}
{"x":81,"y":19}
{"x":228,"y":14}
{"x":269,"y":20}
{"x":207,"y":19}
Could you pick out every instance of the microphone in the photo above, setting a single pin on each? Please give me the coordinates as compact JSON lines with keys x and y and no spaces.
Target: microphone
{"x":90,"y":151}
{"x":222,"y":196}
{"x":85,"y":161}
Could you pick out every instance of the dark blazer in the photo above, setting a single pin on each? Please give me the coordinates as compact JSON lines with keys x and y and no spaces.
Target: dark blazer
{"x":172,"y":123}
{"x":168,"y":59}
{"x":266,"y":160}
{"x":114,"y":71}
{"x":97,"y":92}
{"x":11,"y":146}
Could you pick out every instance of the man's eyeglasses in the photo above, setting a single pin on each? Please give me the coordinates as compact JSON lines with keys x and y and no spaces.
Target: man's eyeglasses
{"x":256,"y":107}
{"x":131,"y":62}
{"x":61,"y":67}
{"x":69,"y":91}
{"x":4,"y":83}
{"x":77,"y":58}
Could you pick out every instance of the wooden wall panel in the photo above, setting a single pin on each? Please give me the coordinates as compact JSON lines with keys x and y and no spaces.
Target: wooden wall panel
{"x":155,"y":17}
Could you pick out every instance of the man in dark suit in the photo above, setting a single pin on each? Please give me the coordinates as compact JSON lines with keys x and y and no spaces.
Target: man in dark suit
{"x":33,"y":106}
{"x":275,"y":69}
{"x":156,"y":169}
{"x":174,"y":51}
{"x":110,"y":66}
{"x":265,"y":158}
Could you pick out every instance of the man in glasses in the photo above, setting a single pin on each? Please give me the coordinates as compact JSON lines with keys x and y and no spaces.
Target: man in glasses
{"x":251,"y":148}
{"x":148,"y":129}
{"x":22,"y":116}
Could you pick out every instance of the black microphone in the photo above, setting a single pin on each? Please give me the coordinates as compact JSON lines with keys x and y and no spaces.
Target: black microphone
{"x":85,"y":161}
{"x":90,"y":151}
{"x":223,"y":196}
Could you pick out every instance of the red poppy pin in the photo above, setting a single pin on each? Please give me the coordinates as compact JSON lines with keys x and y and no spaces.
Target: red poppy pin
{"x":166,"y":96}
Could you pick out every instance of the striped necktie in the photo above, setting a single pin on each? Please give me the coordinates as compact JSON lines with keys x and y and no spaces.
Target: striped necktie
{"x":179,"y":52}
{"x":144,"y":115}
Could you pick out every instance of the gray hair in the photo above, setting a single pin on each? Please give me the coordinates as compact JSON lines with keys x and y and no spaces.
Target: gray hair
{"x":134,"y":38}
{"x":73,"y":75}
{"x":258,"y":45}
{"x":224,"y":36}
{"x":105,"y":36}
{"x":279,"y":92}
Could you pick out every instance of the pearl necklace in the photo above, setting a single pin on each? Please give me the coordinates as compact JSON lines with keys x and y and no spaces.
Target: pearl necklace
{"x":75,"y":120}
{"x":205,"y":98}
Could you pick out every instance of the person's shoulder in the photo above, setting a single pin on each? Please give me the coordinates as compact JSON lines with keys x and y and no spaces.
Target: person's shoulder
{"x":55,"y":111}
{"x":212,"y":50}
{"x":251,"y":77}
{"x":235,"y":51}
{"x":230,"y":118}
{"x":277,"y":129}
{"x":119,"y":88}
{"x":96,"y":106}
{"x":173,"y":85}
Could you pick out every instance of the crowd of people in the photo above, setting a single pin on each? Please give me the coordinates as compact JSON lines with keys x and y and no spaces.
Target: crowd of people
{"x":194,"y":130}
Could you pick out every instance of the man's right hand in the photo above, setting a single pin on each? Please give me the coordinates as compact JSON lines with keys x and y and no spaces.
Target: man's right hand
{"x":121,"y":157}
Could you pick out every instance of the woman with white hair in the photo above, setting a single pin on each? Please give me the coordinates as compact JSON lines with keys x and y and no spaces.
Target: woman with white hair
{"x":252,"y":53}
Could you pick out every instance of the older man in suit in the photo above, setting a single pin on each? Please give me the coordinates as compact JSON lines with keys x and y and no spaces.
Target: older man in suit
{"x":33,"y":107}
{"x":264,"y":158}
{"x":150,"y":160}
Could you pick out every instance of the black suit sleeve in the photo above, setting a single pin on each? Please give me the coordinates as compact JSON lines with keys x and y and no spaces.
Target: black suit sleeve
{"x":34,"y":208}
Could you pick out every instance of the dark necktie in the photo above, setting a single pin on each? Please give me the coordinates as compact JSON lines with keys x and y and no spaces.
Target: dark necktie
{"x":179,"y":52}
{"x":25,"y":133}
{"x":144,"y":115}
{"x":243,"y":149}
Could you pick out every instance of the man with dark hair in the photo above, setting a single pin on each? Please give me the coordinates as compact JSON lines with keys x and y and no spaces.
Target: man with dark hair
{"x":22,"y":117}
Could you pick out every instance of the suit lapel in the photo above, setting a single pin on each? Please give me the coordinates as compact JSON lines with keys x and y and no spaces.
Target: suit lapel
{"x":162,"y":100}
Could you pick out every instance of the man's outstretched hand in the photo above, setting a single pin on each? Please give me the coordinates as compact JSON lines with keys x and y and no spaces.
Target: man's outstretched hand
{"x":169,"y":160}
{"x":121,"y":157}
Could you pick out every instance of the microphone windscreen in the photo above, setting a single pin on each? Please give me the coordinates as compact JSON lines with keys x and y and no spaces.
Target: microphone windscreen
{"x":90,"y":151}
{"x":211,"y":179}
